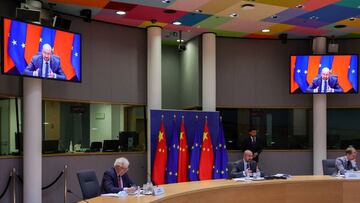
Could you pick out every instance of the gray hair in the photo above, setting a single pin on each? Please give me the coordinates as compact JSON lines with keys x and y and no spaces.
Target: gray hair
{"x":122,"y":162}
{"x":326,"y":69}
{"x":47,"y":46}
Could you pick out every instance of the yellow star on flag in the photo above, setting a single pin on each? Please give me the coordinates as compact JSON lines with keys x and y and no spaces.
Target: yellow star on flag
{"x":161,"y":136}
{"x":205,"y":136}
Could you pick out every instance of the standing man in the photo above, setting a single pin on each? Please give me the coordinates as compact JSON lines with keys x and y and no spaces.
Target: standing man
{"x":253,"y":144}
{"x":347,"y":162}
{"x":45,"y":65}
{"x":116,"y":178}
{"x":245,"y":167}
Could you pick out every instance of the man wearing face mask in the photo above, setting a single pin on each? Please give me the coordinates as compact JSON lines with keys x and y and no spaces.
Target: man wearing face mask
{"x":45,"y":65}
{"x":347,"y":162}
{"x":325,"y":83}
{"x":116,"y":178}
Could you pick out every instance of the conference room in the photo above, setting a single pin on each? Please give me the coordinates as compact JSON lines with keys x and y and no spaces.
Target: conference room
{"x":179,"y":100}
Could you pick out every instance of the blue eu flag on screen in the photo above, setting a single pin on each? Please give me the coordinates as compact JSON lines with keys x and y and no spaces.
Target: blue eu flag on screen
{"x":353,"y":72}
{"x":326,"y":61}
{"x":17,"y":40}
{"x":75,"y":55}
{"x":300,"y":72}
{"x":221,"y":156}
{"x":173,"y":155}
{"x":195,"y":153}
{"x":47,"y":37}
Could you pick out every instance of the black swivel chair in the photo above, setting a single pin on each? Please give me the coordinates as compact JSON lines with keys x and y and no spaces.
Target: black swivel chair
{"x":95,"y":146}
{"x":329,"y":167}
{"x":230,"y":166}
{"x":89,"y":184}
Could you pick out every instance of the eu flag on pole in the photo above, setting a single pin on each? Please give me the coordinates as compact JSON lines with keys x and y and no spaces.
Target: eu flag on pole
{"x":75,"y":55}
{"x":17,"y":40}
{"x":195,"y":154}
{"x":221,"y":156}
{"x":326,"y":62}
{"x":353,"y":72}
{"x":300,"y":72}
{"x":47,"y":37}
{"x":173,"y":155}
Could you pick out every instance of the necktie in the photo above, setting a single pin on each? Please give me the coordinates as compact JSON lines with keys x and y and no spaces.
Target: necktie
{"x":46,"y":69}
{"x":120,"y":182}
{"x":349,"y":165}
{"x":247,"y":166}
{"x":253,"y":140}
{"x":325,"y":86}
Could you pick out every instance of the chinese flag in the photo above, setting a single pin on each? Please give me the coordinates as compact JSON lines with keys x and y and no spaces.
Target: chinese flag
{"x":207,"y":155}
{"x":183,"y":155}
{"x":159,"y":166}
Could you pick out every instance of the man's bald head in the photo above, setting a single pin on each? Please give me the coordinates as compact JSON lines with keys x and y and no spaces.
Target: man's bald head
{"x":325,"y":73}
{"x":46,"y":52}
{"x":248,"y":155}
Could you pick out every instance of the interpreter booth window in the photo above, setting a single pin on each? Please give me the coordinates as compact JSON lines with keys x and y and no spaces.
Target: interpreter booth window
{"x":10,"y":126}
{"x":343,"y":128}
{"x":276,"y":128}
{"x":71,"y":127}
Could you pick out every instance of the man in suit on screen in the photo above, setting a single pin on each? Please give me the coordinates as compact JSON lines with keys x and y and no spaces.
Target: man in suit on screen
{"x":116,"y":178}
{"x":325,"y":83}
{"x":245,"y":167}
{"x":45,"y":65}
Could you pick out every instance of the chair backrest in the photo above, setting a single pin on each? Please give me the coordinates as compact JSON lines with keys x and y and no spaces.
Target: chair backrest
{"x":329,"y":167}
{"x":89,"y":183}
{"x":230,"y":166}
{"x":96,"y":146}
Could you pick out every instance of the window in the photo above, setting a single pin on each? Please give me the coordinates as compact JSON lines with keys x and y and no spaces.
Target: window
{"x":278,"y":128}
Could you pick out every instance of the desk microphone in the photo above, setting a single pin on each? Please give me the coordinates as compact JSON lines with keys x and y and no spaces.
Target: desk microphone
{"x":77,"y":196}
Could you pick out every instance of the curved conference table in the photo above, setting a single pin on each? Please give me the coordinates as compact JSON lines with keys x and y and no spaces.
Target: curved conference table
{"x":297,"y":189}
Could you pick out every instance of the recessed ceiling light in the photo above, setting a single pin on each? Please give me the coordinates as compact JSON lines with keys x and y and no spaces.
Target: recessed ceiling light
{"x":121,"y":13}
{"x":265,"y":30}
{"x":300,"y":6}
{"x":166,"y":1}
{"x":179,"y":40}
{"x":198,"y":10}
{"x":247,"y":6}
{"x":339,"y":26}
{"x":176,"y":23}
{"x":274,"y":16}
{"x":352,"y":19}
{"x":314,"y":17}
{"x":234,"y":15}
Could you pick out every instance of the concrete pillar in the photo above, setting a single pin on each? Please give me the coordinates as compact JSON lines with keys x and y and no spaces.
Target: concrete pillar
{"x":153,"y":81}
{"x":209,"y":72}
{"x":319,"y":116}
{"x":32,"y":140}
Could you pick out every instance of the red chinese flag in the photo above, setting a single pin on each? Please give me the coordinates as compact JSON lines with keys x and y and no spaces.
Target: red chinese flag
{"x":32,"y":41}
{"x":62,"y":48}
{"x":207,"y":156}
{"x":159,"y":166}
{"x":183,"y":155}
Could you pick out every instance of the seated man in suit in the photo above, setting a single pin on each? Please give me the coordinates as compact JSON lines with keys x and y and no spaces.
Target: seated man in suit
{"x":244,"y":167}
{"x":116,"y":178}
{"x":347,"y":162}
{"x":45,"y":65}
{"x":325,"y":83}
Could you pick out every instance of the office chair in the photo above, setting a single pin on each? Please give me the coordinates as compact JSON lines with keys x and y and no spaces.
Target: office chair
{"x":89,"y":184}
{"x":329,"y":167}
{"x":95,"y":146}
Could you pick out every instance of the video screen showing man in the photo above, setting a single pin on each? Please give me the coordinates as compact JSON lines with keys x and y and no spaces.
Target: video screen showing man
{"x":245,"y":167}
{"x":45,"y":65}
{"x":325,"y":83}
{"x":347,"y":162}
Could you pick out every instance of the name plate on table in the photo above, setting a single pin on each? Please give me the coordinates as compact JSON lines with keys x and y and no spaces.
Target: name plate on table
{"x":352,"y":175}
{"x":158,"y":191}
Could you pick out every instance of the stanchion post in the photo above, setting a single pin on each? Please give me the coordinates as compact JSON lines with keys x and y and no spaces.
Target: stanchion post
{"x":65,"y":183}
{"x":13,"y":180}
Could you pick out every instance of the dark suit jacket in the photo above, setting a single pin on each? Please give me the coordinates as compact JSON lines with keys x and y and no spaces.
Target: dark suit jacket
{"x":110,"y":184}
{"x":37,"y":62}
{"x":332,"y":82}
{"x":238,"y":168}
{"x":255,"y":148}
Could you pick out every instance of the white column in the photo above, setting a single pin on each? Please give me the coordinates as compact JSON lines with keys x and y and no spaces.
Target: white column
{"x":32,"y":140}
{"x":153,"y":81}
{"x":319,"y":117}
{"x":209,"y":72}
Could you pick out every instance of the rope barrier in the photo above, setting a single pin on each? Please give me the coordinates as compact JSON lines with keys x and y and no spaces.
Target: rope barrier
{"x":6,"y":188}
{"x":48,"y":186}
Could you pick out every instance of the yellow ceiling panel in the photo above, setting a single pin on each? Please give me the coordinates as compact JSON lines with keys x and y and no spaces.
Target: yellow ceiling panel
{"x":215,"y":6}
